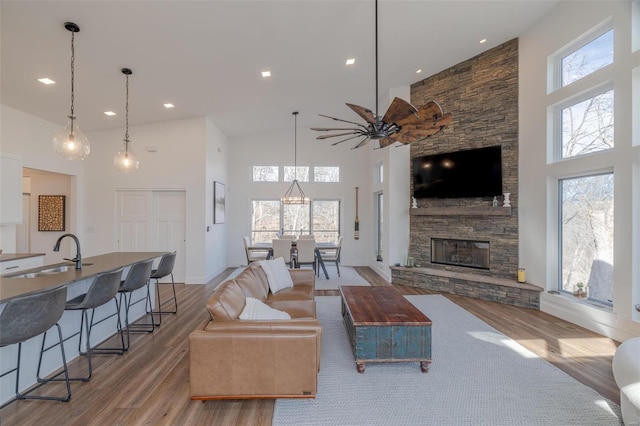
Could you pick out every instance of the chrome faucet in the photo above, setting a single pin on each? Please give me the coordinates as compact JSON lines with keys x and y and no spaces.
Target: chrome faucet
{"x":78,"y":258}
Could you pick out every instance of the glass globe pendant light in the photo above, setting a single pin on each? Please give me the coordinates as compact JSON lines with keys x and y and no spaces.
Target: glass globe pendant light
{"x":70,"y":143}
{"x":126,"y":160}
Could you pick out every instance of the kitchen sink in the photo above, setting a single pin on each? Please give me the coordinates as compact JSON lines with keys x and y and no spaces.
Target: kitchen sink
{"x":45,"y":272}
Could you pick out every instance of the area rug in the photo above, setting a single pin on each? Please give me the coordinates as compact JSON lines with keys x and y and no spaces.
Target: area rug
{"x":478,"y":377}
{"x":348,"y":276}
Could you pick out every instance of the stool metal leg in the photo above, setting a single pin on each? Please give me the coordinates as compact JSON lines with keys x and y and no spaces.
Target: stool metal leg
{"x":160,"y":302}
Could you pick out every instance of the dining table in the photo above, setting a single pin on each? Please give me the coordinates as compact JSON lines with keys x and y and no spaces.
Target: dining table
{"x":319,"y":247}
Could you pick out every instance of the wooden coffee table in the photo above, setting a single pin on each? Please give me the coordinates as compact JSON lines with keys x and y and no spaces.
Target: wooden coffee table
{"x":383,"y":326}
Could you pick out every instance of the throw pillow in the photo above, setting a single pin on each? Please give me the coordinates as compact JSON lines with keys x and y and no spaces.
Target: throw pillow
{"x":277,"y":274}
{"x":254,"y":309}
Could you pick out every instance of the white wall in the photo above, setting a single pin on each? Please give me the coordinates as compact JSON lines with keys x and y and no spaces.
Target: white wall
{"x":277,"y":149}
{"x":216,"y":236}
{"x":538,"y":179}
{"x":180,"y":163}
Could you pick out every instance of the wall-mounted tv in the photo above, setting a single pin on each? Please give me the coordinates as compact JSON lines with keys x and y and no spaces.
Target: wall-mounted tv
{"x":469,"y":173}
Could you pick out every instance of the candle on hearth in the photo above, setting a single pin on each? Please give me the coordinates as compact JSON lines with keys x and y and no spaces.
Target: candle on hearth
{"x":521,"y":275}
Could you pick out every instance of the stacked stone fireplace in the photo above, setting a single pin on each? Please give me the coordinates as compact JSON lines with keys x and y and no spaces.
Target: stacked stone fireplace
{"x":482,"y":95}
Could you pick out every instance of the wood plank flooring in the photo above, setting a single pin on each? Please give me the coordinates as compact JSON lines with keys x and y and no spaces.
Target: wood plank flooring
{"x":150,"y":383}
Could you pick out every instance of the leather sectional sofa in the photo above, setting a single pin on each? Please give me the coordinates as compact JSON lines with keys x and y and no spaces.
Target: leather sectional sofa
{"x":232,"y":358}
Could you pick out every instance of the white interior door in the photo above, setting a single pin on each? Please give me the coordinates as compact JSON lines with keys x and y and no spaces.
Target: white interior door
{"x":134,"y":221}
{"x":153,"y":221}
{"x":170,"y":228}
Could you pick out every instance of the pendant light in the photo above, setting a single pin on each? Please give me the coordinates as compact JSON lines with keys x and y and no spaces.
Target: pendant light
{"x":126,"y":160}
{"x":295,"y":194}
{"x":70,"y":143}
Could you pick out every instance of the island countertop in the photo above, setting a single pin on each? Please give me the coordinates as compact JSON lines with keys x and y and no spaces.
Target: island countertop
{"x":92,"y":266}
{"x":5,"y":257}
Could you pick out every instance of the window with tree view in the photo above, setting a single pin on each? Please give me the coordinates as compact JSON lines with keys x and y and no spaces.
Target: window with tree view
{"x":587,"y":235}
{"x":587,"y":126}
{"x":265,"y":174}
{"x":270,"y":218}
{"x":588,"y":58}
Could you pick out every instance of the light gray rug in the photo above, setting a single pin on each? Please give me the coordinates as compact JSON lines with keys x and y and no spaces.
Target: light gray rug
{"x":478,"y":377}
{"x":348,"y":276}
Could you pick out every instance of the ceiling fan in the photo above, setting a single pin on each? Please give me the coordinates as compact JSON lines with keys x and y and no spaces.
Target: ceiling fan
{"x":402,"y":122}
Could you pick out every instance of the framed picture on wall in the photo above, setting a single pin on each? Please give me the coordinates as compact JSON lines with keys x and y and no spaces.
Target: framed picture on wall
{"x":218,"y":202}
{"x":51,"y":213}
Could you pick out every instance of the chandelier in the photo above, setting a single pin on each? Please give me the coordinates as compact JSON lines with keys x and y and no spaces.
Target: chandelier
{"x":295,"y":194}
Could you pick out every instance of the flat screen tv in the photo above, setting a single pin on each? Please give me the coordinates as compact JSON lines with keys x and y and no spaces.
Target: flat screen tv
{"x":469,"y":173}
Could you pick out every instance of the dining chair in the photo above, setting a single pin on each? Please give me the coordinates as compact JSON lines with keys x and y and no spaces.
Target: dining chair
{"x":282,"y":248}
{"x":306,"y":237}
{"x":333,"y":255}
{"x":253,"y":255}
{"x":306,"y":253}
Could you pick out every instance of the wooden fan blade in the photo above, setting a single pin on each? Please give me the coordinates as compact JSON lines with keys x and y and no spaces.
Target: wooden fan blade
{"x":344,"y":121}
{"x":331,"y":129}
{"x":399,"y":110}
{"x":366,"y":114}
{"x":429,"y":111}
{"x":429,"y":127}
{"x":363,"y":142}
{"x":338,"y":134}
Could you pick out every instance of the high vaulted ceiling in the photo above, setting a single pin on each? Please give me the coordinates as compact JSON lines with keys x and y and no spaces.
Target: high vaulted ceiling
{"x":206,"y":57}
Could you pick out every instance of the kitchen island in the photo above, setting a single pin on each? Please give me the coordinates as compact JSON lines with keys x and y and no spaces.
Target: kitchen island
{"x":77,"y":281}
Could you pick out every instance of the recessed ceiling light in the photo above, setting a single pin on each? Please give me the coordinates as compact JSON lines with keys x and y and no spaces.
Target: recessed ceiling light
{"x":46,"y":81}
{"x":266,"y":74}
{"x":109,"y":113}
{"x":168,"y":105}
{"x":418,"y":71}
{"x":484,"y":40}
{"x":351,"y":61}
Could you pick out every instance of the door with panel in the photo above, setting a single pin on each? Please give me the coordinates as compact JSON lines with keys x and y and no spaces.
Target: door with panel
{"x":153,"y":221}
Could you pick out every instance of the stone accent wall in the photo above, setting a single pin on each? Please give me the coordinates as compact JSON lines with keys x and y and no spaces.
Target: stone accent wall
{"x":482,"y":95}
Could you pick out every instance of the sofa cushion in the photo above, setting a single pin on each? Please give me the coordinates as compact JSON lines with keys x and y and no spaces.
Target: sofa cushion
{"x":297,"y":309}
{"x":277,"y":274}
{"x":252,"y":285}
{"x":254,"y":309}
{"x":297,"y":292}
{"x":227,"y":302}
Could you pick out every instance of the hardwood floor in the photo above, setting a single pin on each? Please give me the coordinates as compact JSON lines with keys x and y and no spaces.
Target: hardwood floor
{"x":150,"y":384}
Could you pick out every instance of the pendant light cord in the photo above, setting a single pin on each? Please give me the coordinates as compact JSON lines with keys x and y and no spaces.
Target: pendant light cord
{"x":295,"y":146}
{"x":376,"y":60}
{"x":126,"y":115}
{"x":73,"y":69}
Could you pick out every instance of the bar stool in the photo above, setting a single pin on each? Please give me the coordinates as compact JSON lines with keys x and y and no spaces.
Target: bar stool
{"x":103,"y":288}
{"x":29,"y":316}
{"x":138,"y":276}
{"x":165,"y":268}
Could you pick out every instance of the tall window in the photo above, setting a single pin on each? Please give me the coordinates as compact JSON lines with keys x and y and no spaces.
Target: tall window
{"x":583,"y":125}
{"x":269,"y":218}
{"x":587,"y":235}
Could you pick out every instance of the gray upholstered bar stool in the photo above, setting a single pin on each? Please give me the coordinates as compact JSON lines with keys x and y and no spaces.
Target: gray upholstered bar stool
{"x":29,"y":316}
{"x":104,"y":288}
{"x":138,"y":276}
{"x":165,"y":268}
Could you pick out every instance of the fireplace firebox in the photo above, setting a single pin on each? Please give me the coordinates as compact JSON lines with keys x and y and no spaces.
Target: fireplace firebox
{"x":467,"y":253}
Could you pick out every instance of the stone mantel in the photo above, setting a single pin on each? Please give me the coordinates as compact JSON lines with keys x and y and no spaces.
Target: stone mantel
{"x":461,"y":211}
